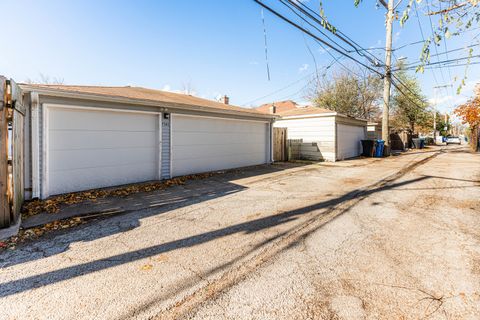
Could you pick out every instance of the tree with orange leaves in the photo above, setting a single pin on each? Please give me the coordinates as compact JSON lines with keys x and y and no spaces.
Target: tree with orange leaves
{"x":470,"y":114}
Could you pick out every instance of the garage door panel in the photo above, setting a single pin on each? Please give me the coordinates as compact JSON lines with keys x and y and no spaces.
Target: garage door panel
{"x":87,"y":158}
{"x":78,"y":139}
{"x":215,"y":163}
{"x":92,"y":149}
{"x":206,"y":125}
{"x":91,"y":178}
{"x":349,"y":141}
{"x":212,"y":151}
{"x":209,"y":144}
{"x":78,"y":119}
{"x":185,"y":139}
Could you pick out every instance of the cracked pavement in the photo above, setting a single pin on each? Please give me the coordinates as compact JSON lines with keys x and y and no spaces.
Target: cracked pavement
{"x":396,"y":238}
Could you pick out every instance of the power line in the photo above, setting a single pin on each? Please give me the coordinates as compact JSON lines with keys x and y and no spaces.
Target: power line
{"x":335,"y":60}
{"x":446,"y":53}
{"x":423,"y":36}
{"x":323,"y":42}
{"x":441,"y":64}
{"x":279,"y":90}
{"x":337,"y":33}
{"x":289,"y":6}
{"x":433,"y":34}
{"x":315,"y":36}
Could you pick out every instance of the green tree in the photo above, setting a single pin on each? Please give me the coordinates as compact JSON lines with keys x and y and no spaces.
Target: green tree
{"x":443,"y":126}
{"x":410,"y":109}
{"x":356,"y":95}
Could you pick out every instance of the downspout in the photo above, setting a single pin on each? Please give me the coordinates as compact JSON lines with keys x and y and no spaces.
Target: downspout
{"x":35,"y":140}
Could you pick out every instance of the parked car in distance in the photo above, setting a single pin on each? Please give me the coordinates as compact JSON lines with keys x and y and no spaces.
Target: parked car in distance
{"x":453,"y":140}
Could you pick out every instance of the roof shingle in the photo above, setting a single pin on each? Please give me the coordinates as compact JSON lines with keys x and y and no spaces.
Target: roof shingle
{"x":140,"y":93}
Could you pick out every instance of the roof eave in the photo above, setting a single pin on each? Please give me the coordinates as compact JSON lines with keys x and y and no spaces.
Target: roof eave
{"x":327,"y":114}
{"x":132,"y":101}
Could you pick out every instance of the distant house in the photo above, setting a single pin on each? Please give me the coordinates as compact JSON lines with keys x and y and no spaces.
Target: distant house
{"x":374,"y":130}
{"x":325,"y":134}
{"x":85,"y":137}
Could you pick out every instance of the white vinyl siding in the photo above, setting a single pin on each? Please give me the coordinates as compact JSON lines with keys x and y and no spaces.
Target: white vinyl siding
{"x":90,"y":149}
{"x":349,"y":141}
{"x":319,"y":130}
{"x":202,"y":144}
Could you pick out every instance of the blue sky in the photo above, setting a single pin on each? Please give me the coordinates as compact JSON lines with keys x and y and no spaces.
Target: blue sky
{"x":213,"y":46}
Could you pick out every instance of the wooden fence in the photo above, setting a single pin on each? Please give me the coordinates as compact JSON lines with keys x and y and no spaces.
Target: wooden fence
{"x":293,"y":149}
{"x":12,"y":119}
{"x":280,"y":144}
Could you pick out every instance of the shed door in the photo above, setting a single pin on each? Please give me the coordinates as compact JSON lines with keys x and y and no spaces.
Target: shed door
{"x":207,"y":144}
{"x":91,"y":149}
{"x":349,"y":141}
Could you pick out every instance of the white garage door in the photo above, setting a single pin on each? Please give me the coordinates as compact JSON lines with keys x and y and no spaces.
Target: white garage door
{"x":209,"y":144}
{"x":91,"y":149}
{"x":349,"y":141}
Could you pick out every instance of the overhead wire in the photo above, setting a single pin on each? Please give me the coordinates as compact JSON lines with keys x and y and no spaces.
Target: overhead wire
{"x":323,"y":43}
{"x":279,"y":15}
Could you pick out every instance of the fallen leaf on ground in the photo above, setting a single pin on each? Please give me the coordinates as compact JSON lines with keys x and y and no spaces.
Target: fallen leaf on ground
{"x":161,"y":258}
{"x":146,"y":267}
{"x":52,"y":205}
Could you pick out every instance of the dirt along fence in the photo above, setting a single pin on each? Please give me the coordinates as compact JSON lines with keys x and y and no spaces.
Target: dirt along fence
{"x":285,"y":149}
{"x":12,"y":121}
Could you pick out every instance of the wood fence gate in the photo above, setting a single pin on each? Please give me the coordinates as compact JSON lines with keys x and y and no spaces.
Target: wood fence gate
{"x":280,"y":144}
{"x":12,"y":119}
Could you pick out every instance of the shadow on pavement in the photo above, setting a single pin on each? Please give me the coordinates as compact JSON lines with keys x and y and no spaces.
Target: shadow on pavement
{"x":40,"y":280}
{"x":152,"y":203}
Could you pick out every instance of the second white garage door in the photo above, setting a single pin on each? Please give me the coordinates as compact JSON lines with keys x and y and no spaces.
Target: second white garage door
{"x":349,"y":141}
{"x":201,"y":144}
{"x":91,"y":149}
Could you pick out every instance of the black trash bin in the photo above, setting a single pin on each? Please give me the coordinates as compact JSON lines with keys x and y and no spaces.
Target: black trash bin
{"x":368,"y":147}
{"x":417,"y":143}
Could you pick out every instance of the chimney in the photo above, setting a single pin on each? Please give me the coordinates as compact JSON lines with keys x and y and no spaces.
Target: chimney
{"x":225,"y":99}
{"x":272,"y":109}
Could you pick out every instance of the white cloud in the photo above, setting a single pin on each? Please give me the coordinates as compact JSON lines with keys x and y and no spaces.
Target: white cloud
{"x":304,"y":67}
{"x":167,"y":87}
{"x":446,"y":102}
{"x":253,"y":63}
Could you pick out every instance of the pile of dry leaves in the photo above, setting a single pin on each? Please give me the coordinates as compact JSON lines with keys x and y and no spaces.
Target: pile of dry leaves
{"x":33,"y":233}
{"x":51,"y":205}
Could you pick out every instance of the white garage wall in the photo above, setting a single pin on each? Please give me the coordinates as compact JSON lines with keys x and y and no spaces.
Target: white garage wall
{"x":91,"y":149}
{"x":202,"y":144}
{"x":349,"y":140}
{"x":320,"y":130}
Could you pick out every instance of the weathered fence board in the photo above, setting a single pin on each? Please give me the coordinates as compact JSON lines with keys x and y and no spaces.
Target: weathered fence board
{"x":17,"y":163}
{"x":4,"y":202}
{"x":12,"y":111}
{"x":279,"y":144}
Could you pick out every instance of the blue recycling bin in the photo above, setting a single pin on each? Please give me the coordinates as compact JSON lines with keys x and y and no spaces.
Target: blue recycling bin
{"x":422,"y":143}
{"x":379,"y":148}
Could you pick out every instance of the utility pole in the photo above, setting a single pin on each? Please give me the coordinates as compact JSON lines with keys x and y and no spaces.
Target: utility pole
{"x":435,"y":110}
{"x":435,"y":116}
{"x":387,"y":81}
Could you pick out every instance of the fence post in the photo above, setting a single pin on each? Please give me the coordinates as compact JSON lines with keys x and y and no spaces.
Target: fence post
{"x":4,"y":202}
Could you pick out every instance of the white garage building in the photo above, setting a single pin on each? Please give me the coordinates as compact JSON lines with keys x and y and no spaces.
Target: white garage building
{"x":85,"y":137}
{"x":325,"y":135}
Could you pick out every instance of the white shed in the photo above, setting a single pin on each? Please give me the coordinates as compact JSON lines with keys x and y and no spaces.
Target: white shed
{"x":85,"y":137}
{"x":325,"y":135}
